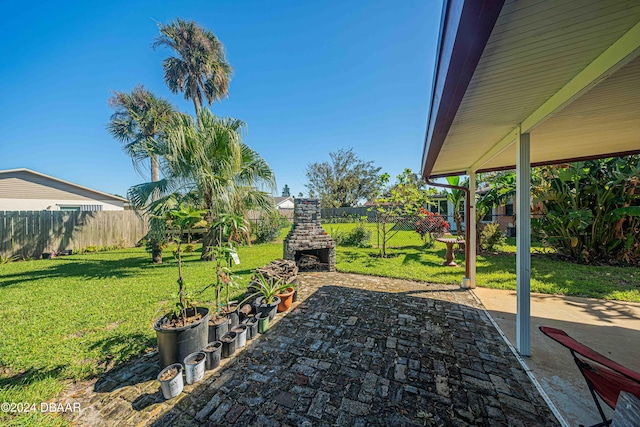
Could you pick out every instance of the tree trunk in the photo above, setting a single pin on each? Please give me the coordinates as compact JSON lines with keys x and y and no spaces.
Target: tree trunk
{"x":208,"y":240}
{"x":156,"y":253}
{"x":155,"y":168}
{"x":197,"y":103}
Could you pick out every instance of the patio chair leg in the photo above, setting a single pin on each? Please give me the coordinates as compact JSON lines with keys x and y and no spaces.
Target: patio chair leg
{"x":605,"y":422}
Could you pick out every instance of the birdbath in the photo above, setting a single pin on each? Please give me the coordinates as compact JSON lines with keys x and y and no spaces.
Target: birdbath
{"x":450,"y":259}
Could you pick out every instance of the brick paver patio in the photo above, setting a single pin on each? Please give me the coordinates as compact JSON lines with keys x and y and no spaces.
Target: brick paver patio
{"x":357,"y":351}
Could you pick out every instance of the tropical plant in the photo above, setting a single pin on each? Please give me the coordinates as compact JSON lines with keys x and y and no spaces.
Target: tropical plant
{"x":492,"y":236}
{"x":207,"y":163}
{"x":225,"y":279}
{"x":139,"y":122}
{"x":178,"y":221}
{"x":200,"y":68}
{"x":591,"y":210}
{"x":456,"y":197}
{"x":268,"y":288}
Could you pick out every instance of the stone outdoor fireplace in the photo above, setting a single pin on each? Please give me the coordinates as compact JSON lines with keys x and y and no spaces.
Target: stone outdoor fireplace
{"x":307,"y":243}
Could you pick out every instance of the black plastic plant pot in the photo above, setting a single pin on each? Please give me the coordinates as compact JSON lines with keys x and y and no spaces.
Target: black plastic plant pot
{"x":216,"y":331}
{"x":213,"y":351}
{"x":234,"y":318}
{"x":228,"y":344}
{"x":174,"y":344}
{"x":268,"y":309}
{"x":295,"y":295}
{"x":252,"y":327}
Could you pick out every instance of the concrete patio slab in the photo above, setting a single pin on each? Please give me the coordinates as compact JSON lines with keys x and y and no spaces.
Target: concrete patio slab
{"x":356,"y":351}
{"x":612,"y":328}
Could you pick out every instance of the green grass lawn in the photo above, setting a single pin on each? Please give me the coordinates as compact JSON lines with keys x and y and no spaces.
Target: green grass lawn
{"x":73,"y":317}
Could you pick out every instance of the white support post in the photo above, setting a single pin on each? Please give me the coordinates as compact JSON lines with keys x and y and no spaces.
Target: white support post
{"x":523,"y":244}
{"x":472,"y":229}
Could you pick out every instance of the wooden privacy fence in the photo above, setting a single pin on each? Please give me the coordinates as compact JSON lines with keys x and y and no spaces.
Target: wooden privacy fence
{"x":30,"y":233}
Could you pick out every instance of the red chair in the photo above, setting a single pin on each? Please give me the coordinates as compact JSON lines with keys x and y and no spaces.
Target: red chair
{"x":604,"y":377}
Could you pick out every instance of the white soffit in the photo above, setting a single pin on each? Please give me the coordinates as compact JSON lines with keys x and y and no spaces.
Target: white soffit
{"x":536,"y":48}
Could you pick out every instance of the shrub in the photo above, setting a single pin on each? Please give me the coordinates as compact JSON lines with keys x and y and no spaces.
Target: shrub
{"x":492,"y":236}
{"x":358,"y":237}
{"x":189,"y":248}
{"x":430,"y":226}
{"x":268,"y":226}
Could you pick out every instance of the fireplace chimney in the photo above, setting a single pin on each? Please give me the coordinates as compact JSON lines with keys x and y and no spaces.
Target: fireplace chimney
{"x":307,"y":243}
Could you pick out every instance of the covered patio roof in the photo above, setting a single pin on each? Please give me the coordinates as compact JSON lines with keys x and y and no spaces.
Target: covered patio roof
{"x":520,"y":83}
{"x":567,"y":73}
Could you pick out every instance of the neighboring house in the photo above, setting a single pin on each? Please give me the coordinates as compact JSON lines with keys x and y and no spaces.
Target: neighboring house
{"x":284,"y":202}
{"x":27,"y":190}
{"x":284,"y":205}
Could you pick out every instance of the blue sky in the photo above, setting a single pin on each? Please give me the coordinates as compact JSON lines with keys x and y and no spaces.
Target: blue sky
{"x":310,"y":78}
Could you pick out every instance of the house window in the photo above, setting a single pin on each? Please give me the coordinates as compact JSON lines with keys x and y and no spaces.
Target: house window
{"x":508,"y":209}
{"x":70,"y":208}
{"x":488,"y":217}
{"x":444,"y":208}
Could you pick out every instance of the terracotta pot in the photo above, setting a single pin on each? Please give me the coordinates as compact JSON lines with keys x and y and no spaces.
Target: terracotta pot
{"x":286,"y":300}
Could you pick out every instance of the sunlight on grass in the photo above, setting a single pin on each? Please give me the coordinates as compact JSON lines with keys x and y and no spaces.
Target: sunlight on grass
{"x":73,"y":317}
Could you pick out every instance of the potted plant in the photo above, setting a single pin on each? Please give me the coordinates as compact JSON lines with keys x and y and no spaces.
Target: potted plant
{"x":268,"y":290}
{"x":183,"y":330}
{"x":223,"y":320}
{"x":286,"y":298}
{"x":170,"y":379}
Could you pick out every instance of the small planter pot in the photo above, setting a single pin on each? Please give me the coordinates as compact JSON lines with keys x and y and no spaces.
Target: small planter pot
{"x":286,"y":300}
{"x":194,"y":365}
{"x":232,"y":315}
{"x":295,"y":296}
{"x":263,"y":322}
{"x":170,"y":379}
{"x":252,"y":327}
{"x":217,"y":328}
{"x":228,"y":344}
{"x":213,"y":350}
{"x":268,"y":309}
{"x":241,"y":335}
{"x":245,"y":311}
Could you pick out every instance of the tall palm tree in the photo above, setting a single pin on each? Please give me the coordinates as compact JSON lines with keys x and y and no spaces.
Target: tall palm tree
{"x":138,"y":122}
{"x":200,"y":68}
{"x":209,"y":163}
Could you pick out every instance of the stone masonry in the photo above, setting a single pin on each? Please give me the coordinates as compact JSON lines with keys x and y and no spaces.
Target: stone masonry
{"x":307,"y":234}
{"x":355,"y":351}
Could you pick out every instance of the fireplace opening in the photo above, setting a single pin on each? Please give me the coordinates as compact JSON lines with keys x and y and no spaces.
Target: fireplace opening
{"x":312,"y":260}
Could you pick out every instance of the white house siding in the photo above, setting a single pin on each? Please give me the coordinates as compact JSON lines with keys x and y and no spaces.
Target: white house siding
{"x":56,"y":204}
{"x":287,"y":204}
{"x":25,"y":190}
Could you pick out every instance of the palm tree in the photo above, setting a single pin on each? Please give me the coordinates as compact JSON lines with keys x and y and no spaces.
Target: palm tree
{"x":138,"y":122}
{"x":456,"y":197}
{"x":200,"y":68}
{"x":207,"y":162}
